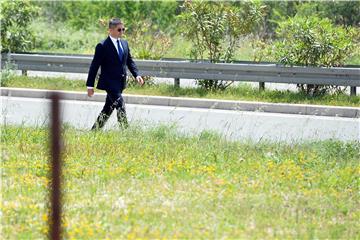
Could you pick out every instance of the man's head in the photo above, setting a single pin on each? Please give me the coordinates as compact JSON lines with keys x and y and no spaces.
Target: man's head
{"x":116,"y":28}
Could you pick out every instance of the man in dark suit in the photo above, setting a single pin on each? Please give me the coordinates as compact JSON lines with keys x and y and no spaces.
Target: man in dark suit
{"x":113,"y":55}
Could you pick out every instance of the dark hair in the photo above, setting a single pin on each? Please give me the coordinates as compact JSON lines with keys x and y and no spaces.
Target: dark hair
{"x":114,"y":22}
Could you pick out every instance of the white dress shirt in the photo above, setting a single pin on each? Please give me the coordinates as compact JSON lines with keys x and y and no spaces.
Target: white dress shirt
{"x":115,"y":43}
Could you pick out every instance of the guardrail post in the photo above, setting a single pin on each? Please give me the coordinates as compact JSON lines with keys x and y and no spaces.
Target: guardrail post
{"x":261,"y":86}
{"x":24,"y":72}
{"x":177,"y":82}
{"x":352,"y":91}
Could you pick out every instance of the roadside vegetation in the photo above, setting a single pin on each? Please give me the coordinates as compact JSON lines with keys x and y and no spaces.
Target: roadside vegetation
{"x":157,"y":183}
{"x":289,"y":32}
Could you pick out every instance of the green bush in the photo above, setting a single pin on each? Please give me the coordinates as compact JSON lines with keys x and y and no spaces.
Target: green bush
{"x":15,"y":18}
{"x":310,"y":41}
{"x":147,"y":41}
{"x":215,"y":29}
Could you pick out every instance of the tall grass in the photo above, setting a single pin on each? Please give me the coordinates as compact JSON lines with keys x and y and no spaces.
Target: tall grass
{"x":60,"y":38}
{"x":156,"y":183}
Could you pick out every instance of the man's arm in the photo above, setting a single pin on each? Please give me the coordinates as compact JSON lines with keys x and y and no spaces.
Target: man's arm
{"x":94,"y":67}
{"x":132,"y":67}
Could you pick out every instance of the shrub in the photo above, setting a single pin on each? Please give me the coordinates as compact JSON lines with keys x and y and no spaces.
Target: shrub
{"x":147,"y":41}
{"x":7,"y":72}
{"x":15,"y":18}
{"x":310,"y":41}
{"x":215,"y":29}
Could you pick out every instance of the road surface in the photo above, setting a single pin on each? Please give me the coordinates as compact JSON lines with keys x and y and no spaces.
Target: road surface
{"x":233,"y":125}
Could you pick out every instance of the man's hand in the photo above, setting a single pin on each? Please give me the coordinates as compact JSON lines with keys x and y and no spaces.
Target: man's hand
{"x":90,"y":92}
{"x":140,"y":80}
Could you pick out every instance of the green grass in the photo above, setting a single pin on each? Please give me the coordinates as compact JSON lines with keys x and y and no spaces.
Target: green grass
{"x":59,"y":38}
{"x":156,"y":183}
{"x":355,"y":60}
{"x":242,"y":92}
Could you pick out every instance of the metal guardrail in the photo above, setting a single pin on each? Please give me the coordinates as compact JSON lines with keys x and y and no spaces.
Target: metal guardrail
{"x":165,"y":58}
{"x":199,"y":70}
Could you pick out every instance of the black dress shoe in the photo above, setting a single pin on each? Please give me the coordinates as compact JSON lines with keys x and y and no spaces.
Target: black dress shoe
{"x":100,"y":121}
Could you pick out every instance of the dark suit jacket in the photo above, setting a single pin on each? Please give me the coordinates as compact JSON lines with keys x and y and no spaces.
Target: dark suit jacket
{"x":113,"y":72}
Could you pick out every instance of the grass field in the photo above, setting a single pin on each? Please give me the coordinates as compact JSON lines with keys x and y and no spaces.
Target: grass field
{"x":242,"y":92}
{"x":156,"y":183}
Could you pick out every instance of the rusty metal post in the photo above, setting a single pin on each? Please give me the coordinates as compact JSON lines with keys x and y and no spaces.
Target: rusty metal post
{"x":55,"y":231}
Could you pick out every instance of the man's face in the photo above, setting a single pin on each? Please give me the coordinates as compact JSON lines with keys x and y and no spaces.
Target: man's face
{"x":117,"y":31}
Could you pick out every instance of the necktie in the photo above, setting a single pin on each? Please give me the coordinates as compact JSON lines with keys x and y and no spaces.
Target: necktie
{"x":120,"y":53}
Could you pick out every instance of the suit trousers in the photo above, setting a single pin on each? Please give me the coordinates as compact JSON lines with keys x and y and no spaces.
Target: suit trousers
{"x":114,"y":100}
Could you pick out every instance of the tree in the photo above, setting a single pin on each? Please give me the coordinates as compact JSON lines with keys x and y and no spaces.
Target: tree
{"x":311,"y":41}
{"x":214,"y":28}
{"x":15,"y":18}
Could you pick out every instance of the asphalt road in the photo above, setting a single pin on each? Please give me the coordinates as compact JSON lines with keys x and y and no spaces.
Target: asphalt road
{"x":233,"y":125}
